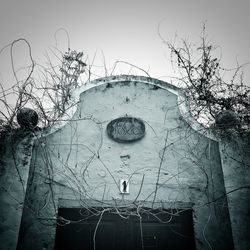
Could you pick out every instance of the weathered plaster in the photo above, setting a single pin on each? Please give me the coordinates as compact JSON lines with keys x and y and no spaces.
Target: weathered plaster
{"x":13,"y":182}
{"x":235,"y":156}
{"x":80,"y":162}
{"x":76,"y":164}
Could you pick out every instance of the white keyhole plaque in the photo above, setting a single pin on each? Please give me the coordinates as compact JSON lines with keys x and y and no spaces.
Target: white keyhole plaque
{"x":124,"y":186}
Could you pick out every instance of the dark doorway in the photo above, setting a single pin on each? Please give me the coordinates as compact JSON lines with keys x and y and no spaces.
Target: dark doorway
{"x":157,"y":229}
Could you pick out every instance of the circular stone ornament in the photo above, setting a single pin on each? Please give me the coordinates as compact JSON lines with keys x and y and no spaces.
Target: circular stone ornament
{"x":27,"y":118}
{"x":227,"y":119}
{"x":126,"y":129}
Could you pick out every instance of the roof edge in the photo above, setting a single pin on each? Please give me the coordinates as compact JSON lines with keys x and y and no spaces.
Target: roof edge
{"x":182,"y":103}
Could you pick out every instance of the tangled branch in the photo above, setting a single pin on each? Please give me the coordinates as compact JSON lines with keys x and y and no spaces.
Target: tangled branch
{"x":207,"y":92}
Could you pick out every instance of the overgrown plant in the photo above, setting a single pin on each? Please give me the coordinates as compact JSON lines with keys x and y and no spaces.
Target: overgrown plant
{"x":57,"y":84}
{"x":51,"y":98}
{"x":208,"y":93}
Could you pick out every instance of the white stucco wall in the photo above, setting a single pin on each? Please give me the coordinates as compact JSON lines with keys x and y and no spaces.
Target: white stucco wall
{"x":235,"y":156}
{"x":180,"y":167}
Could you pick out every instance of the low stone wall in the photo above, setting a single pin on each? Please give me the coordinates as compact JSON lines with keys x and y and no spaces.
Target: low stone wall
{"x":15,"y":163}
{"x":235,"y":155}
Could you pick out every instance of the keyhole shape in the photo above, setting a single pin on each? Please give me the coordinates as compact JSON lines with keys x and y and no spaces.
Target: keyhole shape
{"x":124,"y":186}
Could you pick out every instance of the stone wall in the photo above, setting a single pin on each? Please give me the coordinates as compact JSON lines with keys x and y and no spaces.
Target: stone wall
{"x":14,"y":167}
{"x":235,"y":155}
{"x":174,"y":166}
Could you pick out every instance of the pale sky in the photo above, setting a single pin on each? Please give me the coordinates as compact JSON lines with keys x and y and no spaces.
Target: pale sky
{"x":122,"y":30}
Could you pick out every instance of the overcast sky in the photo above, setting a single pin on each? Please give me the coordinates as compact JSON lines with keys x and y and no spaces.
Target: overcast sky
{"x":123,"y":30}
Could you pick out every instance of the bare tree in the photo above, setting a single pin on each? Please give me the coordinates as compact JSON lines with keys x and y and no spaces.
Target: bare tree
{"x":50,"y":96}
{"x":212,"y":99}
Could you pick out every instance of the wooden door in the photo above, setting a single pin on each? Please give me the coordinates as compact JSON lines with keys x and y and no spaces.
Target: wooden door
{"x":156,"y":230}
